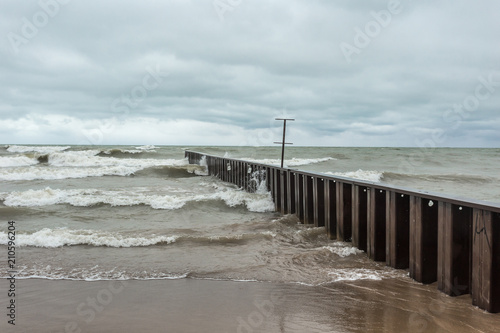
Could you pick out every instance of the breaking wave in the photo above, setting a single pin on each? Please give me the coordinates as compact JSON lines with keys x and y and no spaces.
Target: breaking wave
{"x":369,"y":175}
{"x":60,"y":237}
{"x":36,"y":149}
{"x":15,"y":161}
{"x":255,"y":202}
{"x":75,"y":164}
{"x":53,"y":238}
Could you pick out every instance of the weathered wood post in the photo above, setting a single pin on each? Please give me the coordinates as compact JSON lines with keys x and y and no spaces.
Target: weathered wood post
{"x":398,"y":230}
{"x":319,"y":201}
{"x":330,"y":208}
{"x":423,"y":239}
{"x":376,"y":224}
{"x":277,"y":189}
{"x":344,"y":211}
{"x":283,"y":191}
{"x":359,"y":217}
{"x":308,"y":200}
{"x":299,"y":195}
{"x":454,"y":245}
{"x":290,"y":184}
{"x":486,"y":260}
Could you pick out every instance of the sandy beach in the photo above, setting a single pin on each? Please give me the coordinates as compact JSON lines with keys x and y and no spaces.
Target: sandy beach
{"x":191,"y":305}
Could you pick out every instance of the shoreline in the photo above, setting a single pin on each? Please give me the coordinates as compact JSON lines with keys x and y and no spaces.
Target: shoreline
{"x":194,"y":305}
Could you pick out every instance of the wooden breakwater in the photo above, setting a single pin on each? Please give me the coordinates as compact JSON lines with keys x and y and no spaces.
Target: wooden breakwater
{"x":451,"y":240}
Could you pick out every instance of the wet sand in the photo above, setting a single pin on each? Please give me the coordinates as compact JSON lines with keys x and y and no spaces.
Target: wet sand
{"x":190,"y":305}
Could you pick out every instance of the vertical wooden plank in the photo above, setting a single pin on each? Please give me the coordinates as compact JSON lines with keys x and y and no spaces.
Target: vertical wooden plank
{"x":397,"y":230}
{"x":277,"y":189}
{"x":270,"y":173}
{"x":283,"y":191}
{"x":331,"y":208}
{"x":299,"y":196}
{"x":377,"y":225}
{"x":291,"y":192}
{"x":308,"y":200}
{"x":486,"y":260}
{"x":344,"y":211}
{"x":423,"y":239}
{"x":359,"y":217}
{"x":454,"y":238}
{"x":319,"y":202}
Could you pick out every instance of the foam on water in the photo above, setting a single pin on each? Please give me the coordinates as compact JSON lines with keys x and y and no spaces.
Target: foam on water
{"x":91,"y":274}
{"x":147,"y":147}
{"x":232,"y":197}
{"x":369,"y":175}
{"x":33,"y":172}
{"x":53,"y":238}
{"x":15,"y":161}
{"x":342,"y":249}
{"x":36,"y":149}
{"x":89,"y":158}
{"x":75,"y":164}
{"x":50,"y":238}
{"x":354,"y":274}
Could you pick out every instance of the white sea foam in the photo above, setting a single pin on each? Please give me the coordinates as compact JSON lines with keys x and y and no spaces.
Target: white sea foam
{"x":369,"y":175}
{"x":90,"y":197}
{"x":14,"y":161}
{"x":50,"y":238}
{"x":354,"y":274}
{"x":33,"y":172}
{"x":88,"y":158}
{"x":78,"y":164}
{"x":342,"y":250}
{"x":147,"y":147}
{"x":203,"y":164}
{"x":290,"y":163}
{"x":36,"y":149}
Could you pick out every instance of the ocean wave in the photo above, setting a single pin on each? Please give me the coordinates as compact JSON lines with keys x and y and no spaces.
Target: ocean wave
{"x":15,"y":161}
{"x":89,"y":158}
{"x":254,"y":202}
{"x":53,"y":238}
{"x":119,"y":152}
{"x":36,"y":149}
{"x":147,"y":147}
{"x":34,"y":173}
{"x":290,"y":163}
{"x":49,"y":238}
{"x":76,"y":164}
{"x":369,"y":175}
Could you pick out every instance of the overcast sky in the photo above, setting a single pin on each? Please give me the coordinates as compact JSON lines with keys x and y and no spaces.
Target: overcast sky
{"x":205,"y":72}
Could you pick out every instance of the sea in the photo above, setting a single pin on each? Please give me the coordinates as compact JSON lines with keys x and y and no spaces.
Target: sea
{"x":98,"y":213}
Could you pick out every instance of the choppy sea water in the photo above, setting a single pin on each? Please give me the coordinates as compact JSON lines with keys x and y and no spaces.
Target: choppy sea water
{"x":118,"y":213}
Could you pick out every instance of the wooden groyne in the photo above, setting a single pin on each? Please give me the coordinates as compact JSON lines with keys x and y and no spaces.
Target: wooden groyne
{"x":451,"y":240}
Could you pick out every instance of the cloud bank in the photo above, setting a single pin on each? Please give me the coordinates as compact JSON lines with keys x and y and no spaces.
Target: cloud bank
{"x":217,"y":72}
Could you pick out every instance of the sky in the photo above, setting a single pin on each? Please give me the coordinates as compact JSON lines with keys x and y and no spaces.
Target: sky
{"x":218,"y":72}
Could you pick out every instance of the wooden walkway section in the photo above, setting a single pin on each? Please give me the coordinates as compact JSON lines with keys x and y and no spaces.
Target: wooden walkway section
{"x":451,"y":240}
